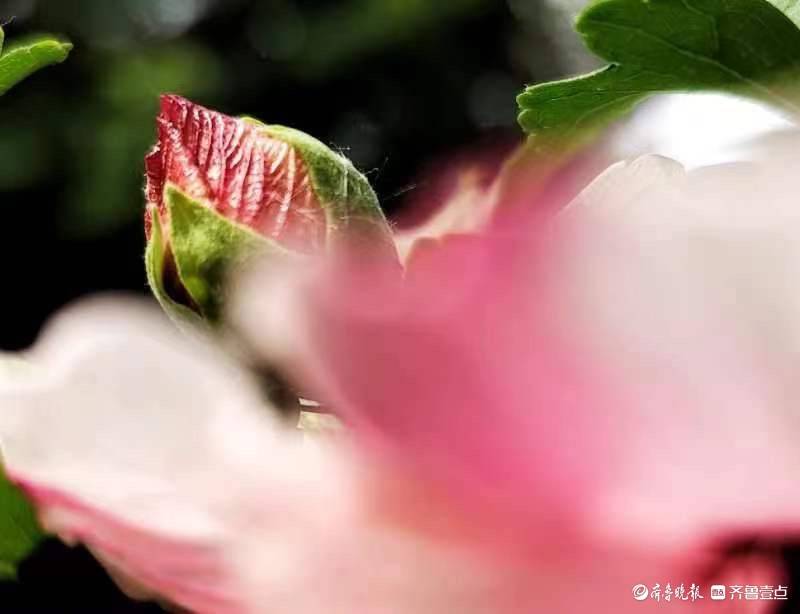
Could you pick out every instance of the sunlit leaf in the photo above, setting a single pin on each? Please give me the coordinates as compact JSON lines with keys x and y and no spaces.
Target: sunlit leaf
{"x":23,"y":58}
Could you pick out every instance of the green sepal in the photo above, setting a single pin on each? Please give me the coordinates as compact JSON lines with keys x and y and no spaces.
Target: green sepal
{"x":24,"y":57}
{"x":205,"y":247}
{"x":156,"y":260}
{"x":349,"y":202}
{"x":745,"y":47}
{"x":20,"y":532}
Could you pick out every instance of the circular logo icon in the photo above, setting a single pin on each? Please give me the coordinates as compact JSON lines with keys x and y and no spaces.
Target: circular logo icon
{"x":640,"y":592}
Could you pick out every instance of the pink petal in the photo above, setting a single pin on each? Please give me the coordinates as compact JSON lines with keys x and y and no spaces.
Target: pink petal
{"x":156,"y":453}
{"x":618,"y":374}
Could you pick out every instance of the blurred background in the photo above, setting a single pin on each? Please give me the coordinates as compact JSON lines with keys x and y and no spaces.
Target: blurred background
{"x":397,"y":85}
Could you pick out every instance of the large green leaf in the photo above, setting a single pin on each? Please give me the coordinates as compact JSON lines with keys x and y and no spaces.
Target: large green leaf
{"x":23,"y":58}
{"x":746,"y":47}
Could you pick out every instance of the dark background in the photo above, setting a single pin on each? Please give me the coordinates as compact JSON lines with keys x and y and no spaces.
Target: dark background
{"x":397,"y":85}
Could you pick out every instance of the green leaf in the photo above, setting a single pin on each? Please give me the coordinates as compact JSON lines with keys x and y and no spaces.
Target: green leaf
{"x":23,"y":58}
{"x":790,"y":8}
{"x":206,"y":247}
{"x":745,"y":47}
{"x":19,"y":529}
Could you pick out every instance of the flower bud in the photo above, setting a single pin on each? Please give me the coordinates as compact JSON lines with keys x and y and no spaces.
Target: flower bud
{"x":221,"y":189}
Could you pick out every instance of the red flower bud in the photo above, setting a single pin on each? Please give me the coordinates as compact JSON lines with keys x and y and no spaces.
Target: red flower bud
{"x":238,"y":169}
{"x":220,"y":189}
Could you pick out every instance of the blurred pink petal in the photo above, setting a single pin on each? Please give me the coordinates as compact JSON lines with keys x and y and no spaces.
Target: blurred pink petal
{"x":621,"y":374}
{"x":156,"y":453}
{"x":540,"y":417}
{"x":686,"y":297}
